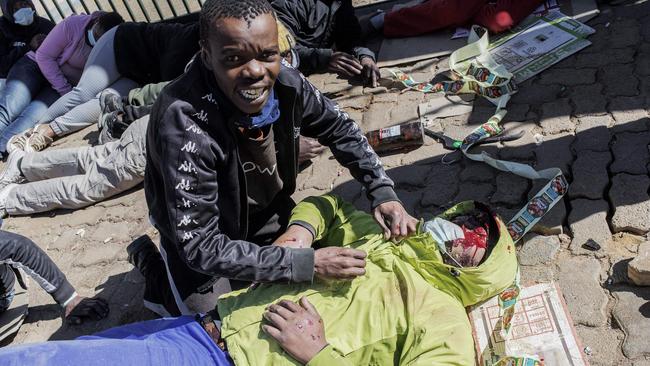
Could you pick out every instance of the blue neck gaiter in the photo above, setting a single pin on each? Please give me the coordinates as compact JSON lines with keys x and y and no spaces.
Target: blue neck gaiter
{"x":269,"y":114}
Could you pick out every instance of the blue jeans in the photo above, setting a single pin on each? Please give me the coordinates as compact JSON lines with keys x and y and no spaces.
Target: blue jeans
{"x":24,"y":83}
{"x":30,"y":116}
{"x":7,"y":280}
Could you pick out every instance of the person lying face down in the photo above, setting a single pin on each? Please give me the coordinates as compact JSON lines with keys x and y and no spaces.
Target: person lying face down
{"x":408,"y":307}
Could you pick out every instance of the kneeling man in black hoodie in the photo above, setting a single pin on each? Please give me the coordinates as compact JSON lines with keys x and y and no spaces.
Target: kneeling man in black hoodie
{"x":222,"y":150}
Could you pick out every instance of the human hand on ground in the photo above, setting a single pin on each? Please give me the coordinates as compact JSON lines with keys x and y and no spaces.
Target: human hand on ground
{"x":82,"y":308}
{"x":296,"y":236}
{"x":309,"y":149}
{"x":344,"y":64}
{"x":297,"y":327}
{"x":370,"y":71}
{"x":339,"y":263}
{"x":393,"y":218}
{"x":36,"y":41}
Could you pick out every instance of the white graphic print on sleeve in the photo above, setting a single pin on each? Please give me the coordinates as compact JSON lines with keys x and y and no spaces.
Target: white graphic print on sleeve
{"x":190,"y":147}
{"x":210,"y":98}
{"x":194,"y":128}
{"x":187,"y":167}
{"x":189,"y":172}
{"x":340,"y":113}
{"x":186,"y":221}
{"x":187,"y":235}
{"x":202,"y":116}
{"x":184,"y":185}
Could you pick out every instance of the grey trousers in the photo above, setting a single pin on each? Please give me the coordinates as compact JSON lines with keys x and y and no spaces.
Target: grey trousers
{"x":79,"y":177}
{"x":71,"y":112}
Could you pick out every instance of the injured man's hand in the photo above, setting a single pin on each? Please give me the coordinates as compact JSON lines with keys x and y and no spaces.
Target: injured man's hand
{"x":297,"y":327}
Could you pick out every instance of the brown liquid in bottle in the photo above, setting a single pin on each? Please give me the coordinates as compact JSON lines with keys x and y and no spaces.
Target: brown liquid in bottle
{"x":407,"y":136}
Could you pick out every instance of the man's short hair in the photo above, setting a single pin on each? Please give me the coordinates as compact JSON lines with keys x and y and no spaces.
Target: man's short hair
{"x":247,"y":10}
{"x":109,"y":20}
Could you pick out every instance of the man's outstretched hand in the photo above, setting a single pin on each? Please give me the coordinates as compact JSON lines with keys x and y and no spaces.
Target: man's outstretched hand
{"x":297,"y":327}
{"x":309,"y":149}
{"x":393,"y":218}
{"x":81,"y":309}
{"x":344,"y":64}
{"x":370,"y":72}
{"x":339,"y":263}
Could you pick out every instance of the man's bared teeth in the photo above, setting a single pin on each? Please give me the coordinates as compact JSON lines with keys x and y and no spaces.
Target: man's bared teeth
{"x":251,"y":94}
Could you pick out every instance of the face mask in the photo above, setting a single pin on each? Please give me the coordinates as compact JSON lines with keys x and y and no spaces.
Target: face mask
{"x":91,"y":38}
{"x":24,"y":16}
{"x":269,"y":114}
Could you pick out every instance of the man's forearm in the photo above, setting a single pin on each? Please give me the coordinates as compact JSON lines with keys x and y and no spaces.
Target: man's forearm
{"x":361,"y":52}
{"x":313,"y":59}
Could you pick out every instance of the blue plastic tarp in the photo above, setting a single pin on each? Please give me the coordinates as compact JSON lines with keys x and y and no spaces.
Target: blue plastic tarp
{"x":169,"y":342}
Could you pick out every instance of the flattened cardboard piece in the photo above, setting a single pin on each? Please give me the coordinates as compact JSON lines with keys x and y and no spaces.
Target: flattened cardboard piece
{"x":541,"y":327}
{"x":396,"y":51}
{"x":13,"y":318}
{"x":580,"y":10}
{"x":443,"y":106}
{"x":537,"y":43}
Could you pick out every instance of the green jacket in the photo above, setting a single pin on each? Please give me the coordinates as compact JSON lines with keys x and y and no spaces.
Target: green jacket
{"x":408,"y":309}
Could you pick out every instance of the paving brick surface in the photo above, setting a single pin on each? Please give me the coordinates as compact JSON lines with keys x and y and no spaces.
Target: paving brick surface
{"x":511,"y":189}
{"x":619,"y":80}
{"x":592,"y":133}
{"x":604,"y":58}
{"x":629,"y":113}
{"x":630,"y":152}
{"x":631,"y":313}
{"x":568,"y":77}
{"x":590,"y":176}
{"x":629,"y":196}
{"x":579,"y":280}
{"x":588,"y":221}
{"x":538,"y":249}
{"x":556,"y":117}
{"x":589,"y":99}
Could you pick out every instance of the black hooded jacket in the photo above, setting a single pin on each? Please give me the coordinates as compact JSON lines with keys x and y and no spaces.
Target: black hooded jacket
{"x":15,"y":38}
{"x":195,"y":185}
{"x":153,"y":52}
{"x":319,"y":25}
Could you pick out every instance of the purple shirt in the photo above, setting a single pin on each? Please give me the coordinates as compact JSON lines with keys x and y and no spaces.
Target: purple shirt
{"x":64,"y":52}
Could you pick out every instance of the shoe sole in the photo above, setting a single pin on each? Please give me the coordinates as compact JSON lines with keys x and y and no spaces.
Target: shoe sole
{"x":29,"y":148}
{"x":11,"y":147}
{"x":7,"y":165}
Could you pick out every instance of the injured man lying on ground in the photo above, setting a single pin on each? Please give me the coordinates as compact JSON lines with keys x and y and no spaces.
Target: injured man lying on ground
{"x":406,"y":308}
